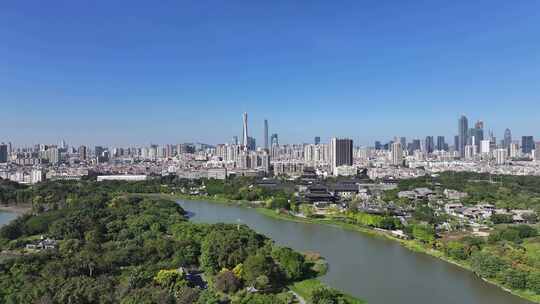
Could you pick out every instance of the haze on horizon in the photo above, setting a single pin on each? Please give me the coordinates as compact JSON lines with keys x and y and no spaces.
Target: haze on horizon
{"x":126,"y":72}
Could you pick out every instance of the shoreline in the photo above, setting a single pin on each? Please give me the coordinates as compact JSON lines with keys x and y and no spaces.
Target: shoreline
{"x":18,"y":209}
{"x":409,"y":244}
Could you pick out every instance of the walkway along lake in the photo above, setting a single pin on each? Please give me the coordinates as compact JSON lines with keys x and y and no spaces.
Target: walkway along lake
{"x":377,"y":270}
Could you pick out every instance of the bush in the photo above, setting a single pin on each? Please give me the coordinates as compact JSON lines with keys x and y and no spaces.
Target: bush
{"x":515,"y":278}
{"x":325,"y":296}
{"x":525,"y":231}
{"x":533,"y":281}
{"x":487,"y":265}
{"x":424,"y":233}
{"x":186,"y":295}
{"x":456,"y":250}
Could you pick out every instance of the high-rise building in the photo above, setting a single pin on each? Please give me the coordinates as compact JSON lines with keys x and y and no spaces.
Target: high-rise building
{"x":527,"y":144}
{"x":83,"y":153}
{"x":53,"y":155}
{"x":245,"y":131}
{"x":514,"y":150}
{"x":507,"y":138}
{"x":397,"y":154}
{"x":500,"y":156}
{"x":441,"y":144}
{"x":251,"y":144}
{"x":485,"y":146}
{"x":477,"y":133}
{"x":266,"y":134}
{"x":470,"y":152}
{"x":414,"y":145}
{"x":341,"y":152}
{"x":274,"y":140}
{"x":403,"y":142}
{"x":317,"y":140}
{"x":537,"y":151}
{"x":430,"y":144}
{"x":378,"y":145}
{"x":479,"y":125}
{"x":3,"y":153}
{"x":235,"y":140}
{"x":98,"y":151}
{"x":463,"y":129}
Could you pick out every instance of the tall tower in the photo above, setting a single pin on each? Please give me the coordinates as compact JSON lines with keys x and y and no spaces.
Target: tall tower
{"x":341,"y":152}
{"x":507,"y":138}
{"x":463,"y":128}
{"x":266,"y":134}
{"x":397,"y":154}
{"x":245,"y":133}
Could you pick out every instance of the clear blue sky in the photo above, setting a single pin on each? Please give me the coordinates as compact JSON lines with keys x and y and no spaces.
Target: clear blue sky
{"x":136,"y":72}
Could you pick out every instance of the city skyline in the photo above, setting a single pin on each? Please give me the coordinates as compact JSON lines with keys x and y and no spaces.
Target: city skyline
{"x":368,"y":72}
{"x":248,"y":138}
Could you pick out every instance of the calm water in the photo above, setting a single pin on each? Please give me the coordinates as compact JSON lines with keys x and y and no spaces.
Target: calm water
{"x":6,"y":217}
{"x":377,"y":270}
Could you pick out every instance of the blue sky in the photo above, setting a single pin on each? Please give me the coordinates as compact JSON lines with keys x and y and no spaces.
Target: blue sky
{"x":135,"y":72}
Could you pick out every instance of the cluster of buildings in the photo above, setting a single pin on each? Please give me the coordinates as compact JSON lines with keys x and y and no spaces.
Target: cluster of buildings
{"x":471,"y":151}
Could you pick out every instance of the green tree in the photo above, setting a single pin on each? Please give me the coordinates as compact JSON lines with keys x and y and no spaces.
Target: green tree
{"x":501,"y":218}
{"x":290,"y":262}
{"x":259,"y":265}
{"x":226,"y":282}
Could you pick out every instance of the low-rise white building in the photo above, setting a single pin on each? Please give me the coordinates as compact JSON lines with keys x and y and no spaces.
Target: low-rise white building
{"x":131,"y":178}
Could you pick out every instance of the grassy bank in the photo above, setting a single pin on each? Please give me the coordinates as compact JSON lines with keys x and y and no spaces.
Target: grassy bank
{"x":305,"y":290}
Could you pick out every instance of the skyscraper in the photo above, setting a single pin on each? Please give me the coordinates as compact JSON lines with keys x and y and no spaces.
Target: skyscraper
{"x":266,"y":134}
{"x":83,"y":153}
{"x":414,"y":145}
{"x":397,"y":154}
{"x":341,"y":152}
{"x":245,"y":132}
{"x":274,"y":141}
{"x":463,"y":129}
{"x":527,"y":144}
{"x":403,"y":142}
{"x":430,"y":144}
{"x":441,"y":144}
{"x":252,"y":144}
{"x":235,"y":140}
{"x":3,"y":153}
{"x":478,"y":133}
{"x":317,"y":140}
{"x":507,"y":138}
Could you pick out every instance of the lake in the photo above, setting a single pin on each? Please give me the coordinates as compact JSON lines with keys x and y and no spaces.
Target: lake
{"x":378,"y":270}
{"x":6,"y":217}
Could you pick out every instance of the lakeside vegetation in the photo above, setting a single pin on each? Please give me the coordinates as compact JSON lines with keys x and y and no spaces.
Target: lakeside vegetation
{"x":509,"y":257}
{"x":109,"y":246}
